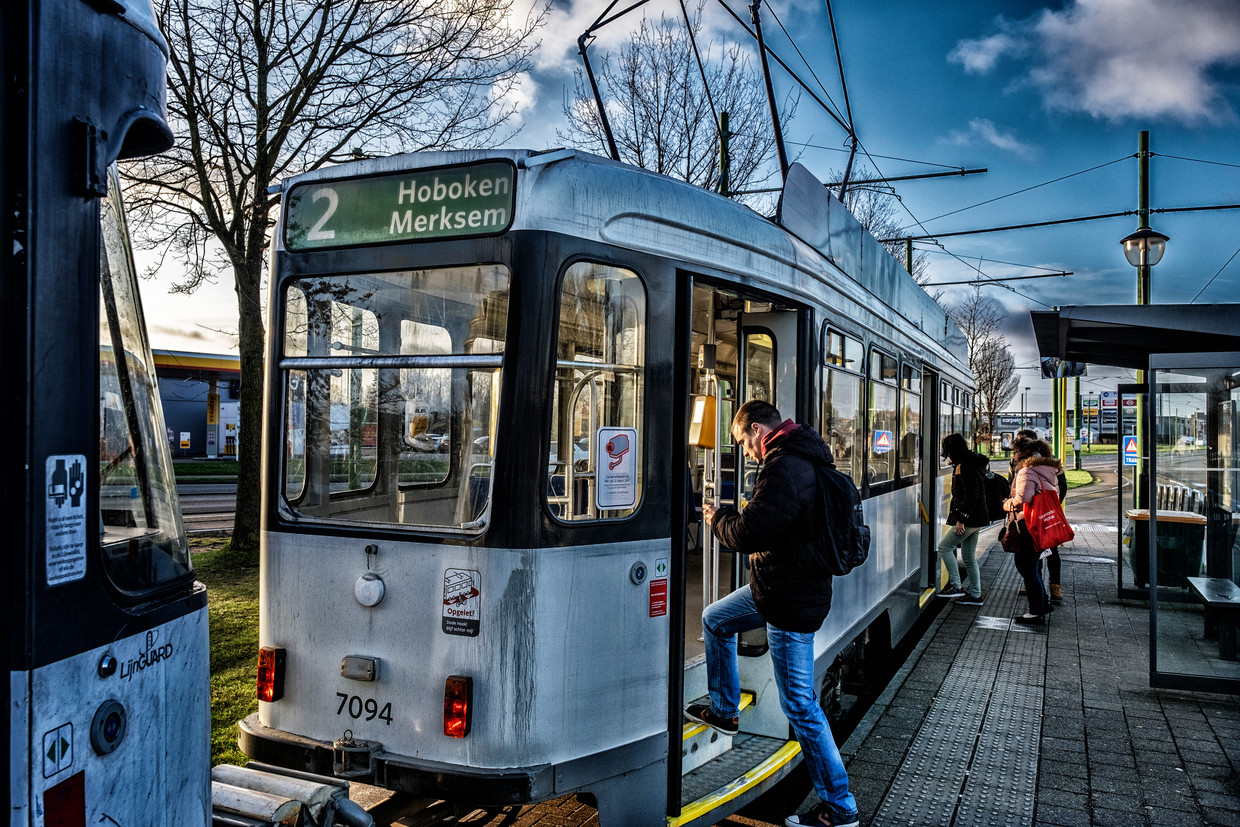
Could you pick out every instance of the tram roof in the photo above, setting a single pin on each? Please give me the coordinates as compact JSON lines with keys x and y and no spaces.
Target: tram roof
{"x":1126,"y":335}
{"x":596,"y":198}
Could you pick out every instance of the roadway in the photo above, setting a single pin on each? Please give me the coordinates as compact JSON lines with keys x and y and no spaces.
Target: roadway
{"x":207,"y":508}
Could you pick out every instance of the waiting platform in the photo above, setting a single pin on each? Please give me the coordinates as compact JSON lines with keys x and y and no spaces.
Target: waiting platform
{"x":994,"y":723}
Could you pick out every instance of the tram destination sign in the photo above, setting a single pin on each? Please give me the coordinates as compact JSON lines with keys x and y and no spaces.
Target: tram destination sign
{"x":448,"y":202}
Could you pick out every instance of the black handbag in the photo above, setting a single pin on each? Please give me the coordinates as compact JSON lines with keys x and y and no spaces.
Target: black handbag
{"x":1009,"y":536}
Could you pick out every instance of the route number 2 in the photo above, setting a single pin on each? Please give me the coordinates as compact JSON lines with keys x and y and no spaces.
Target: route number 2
{"x":368,"y":708}
{"x":317,"y":233}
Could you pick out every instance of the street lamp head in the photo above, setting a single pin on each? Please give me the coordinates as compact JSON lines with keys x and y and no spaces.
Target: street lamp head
{"x":1145,"y":246}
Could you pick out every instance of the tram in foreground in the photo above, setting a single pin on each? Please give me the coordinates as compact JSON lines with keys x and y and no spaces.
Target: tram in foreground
{"x":108,"y":693}
{"x":489,"y":424}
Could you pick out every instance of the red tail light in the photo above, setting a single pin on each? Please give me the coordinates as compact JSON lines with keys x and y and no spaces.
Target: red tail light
{"x":270,"y":673}
{"x":458,"y":696}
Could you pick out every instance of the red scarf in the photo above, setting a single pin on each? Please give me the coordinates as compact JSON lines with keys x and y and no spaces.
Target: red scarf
{"x":785,"y":427}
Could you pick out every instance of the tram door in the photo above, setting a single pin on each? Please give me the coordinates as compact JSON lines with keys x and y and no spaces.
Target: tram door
{"x":741,"y":348}
{"x":933,"y":507}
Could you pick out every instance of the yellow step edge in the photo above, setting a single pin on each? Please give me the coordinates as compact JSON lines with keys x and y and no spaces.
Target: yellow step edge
{"x":925,"y":598}
{"x":729,"y":791}
{"x":689,"y":730}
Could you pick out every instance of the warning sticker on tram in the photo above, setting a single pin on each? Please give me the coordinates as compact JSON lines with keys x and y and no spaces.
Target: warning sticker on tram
{"x":1130,"y":450}
{"x":448,"y":202}
{"x":65,"y":527}
{"x":462,"y":602}
{"x":883,"y":440}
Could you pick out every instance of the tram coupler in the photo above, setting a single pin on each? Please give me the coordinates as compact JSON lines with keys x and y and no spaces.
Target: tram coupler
{"x":354,"y":758}
{"x":262,"y":794}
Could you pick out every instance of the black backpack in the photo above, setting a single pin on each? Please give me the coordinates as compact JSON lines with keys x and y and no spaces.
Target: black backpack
{"x":845,"y":537}
{"x":998,"y":489}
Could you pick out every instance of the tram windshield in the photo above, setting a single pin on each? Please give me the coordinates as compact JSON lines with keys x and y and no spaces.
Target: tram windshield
{"x":140,"y":528}
{"x":391,"y":384}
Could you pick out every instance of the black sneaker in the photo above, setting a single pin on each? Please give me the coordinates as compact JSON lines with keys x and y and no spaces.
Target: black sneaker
{"x":970,"y":600}
{"x":821,"y":815}
{"x":1030,"y":619}
{"x":952,"y":592}
{"x":701,"y":713}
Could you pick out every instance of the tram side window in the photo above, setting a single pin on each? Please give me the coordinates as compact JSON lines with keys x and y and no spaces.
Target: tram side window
{"x":884,"y":417}
{"x":843,"y":384}
{"x":945,"y":421}
{"x":140,"y":533}
{"x":391,"y":401}
{"x":966,"y":404}
{"x":594,"y":462}
{"x":910,"y":421}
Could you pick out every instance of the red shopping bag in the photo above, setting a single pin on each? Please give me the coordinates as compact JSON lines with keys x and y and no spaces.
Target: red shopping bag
{"x":1045,"y":520}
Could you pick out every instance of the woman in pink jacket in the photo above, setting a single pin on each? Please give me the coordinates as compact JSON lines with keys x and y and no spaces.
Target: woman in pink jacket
{"x":1036,"y":470}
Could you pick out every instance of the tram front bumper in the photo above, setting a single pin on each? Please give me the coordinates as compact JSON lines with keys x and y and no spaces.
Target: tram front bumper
{"x":511,"y":785}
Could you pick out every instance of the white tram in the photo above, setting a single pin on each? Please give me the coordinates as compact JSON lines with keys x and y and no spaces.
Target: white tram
{"x":510,"y":612}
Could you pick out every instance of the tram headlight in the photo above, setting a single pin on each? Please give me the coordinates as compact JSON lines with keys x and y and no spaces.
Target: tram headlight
{"x":271,"y":673}
{"x":458,"y":697}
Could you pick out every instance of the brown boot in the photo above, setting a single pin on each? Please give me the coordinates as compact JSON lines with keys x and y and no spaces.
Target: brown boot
{"x":1056,"y":593}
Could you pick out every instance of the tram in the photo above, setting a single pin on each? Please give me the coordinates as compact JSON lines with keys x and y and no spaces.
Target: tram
{"x":108,"y":693}
{"x":499,"y":387}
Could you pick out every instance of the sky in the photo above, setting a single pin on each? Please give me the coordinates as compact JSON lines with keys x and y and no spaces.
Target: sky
{"x":1049,"y":98}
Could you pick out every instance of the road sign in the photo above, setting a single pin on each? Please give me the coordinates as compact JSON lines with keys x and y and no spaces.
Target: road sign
{"x":1130,"y":450}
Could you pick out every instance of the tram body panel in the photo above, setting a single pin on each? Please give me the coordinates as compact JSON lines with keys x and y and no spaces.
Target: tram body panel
{"x":563,"y":636}
{"x":143,"y":758}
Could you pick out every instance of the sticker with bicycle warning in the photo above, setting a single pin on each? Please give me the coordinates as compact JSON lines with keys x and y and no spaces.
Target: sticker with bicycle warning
{"x":462,"y":602}
{"x":64,"y":534}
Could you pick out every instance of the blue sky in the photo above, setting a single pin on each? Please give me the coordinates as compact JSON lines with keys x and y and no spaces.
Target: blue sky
{"x":1034,"y":92}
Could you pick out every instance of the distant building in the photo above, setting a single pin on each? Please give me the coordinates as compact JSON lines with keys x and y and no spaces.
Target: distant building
{"x":200,"y":394}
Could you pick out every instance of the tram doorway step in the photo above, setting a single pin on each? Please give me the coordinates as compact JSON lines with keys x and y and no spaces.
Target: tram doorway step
{"x":701,"y":744}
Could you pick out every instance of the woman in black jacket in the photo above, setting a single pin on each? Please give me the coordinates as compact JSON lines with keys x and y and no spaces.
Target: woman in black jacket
{"x":966,"y":516}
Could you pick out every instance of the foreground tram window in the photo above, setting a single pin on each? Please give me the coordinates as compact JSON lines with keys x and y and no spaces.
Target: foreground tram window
{"x":143,"y":542}
{"x":391,"y":392}
{"x":594,"y":468}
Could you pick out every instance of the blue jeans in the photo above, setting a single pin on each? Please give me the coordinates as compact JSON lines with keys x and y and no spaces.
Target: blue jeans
{"x":968,"y":552}
{"x":792,"y":654}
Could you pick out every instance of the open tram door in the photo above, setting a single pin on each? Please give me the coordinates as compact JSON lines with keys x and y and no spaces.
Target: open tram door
{"x":740,"y":347}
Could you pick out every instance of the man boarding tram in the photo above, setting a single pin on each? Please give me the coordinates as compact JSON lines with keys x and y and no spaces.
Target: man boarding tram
{"x":789,"y":592}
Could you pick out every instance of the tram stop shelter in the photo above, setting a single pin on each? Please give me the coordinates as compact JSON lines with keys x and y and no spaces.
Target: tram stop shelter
{"x":1179,"y":474}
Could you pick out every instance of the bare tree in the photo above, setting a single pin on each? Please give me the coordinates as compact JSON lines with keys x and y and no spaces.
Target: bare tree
{"x":263,"y":89}
{"x":994,"y":368}
{"x":661,"y":116}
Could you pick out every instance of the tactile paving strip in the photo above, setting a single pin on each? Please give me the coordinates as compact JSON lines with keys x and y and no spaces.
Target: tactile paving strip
{"x":974,"y":760}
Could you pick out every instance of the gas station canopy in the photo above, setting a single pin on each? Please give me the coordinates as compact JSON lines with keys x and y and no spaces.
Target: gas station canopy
{"x":1125,"y":335}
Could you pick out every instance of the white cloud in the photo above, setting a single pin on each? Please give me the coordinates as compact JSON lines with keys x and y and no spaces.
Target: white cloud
{"x":980,"y":55}
{"x":1118,"y":59}
{"x":984,"y":131}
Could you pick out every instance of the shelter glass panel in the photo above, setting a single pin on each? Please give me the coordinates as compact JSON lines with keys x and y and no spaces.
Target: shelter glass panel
{"x":1191,"y":540}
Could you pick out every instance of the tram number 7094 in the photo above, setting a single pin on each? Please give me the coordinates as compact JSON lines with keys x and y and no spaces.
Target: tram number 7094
{"x":357,"y":707}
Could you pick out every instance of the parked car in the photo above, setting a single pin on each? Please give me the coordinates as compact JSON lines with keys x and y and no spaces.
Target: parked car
{"x":429,"y":442}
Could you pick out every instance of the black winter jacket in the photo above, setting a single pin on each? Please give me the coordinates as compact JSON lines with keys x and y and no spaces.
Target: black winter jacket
{"x":968,"y":503}
{"x":780,"y":529}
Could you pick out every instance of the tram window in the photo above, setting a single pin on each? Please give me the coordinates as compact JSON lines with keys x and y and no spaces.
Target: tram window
{"x":408,"y":442}
{"x":910,"y":422}
{"x":760,"y":367}
{"x":599,"y":385}
{"x":842,"y":351}
{"x":945,"y":421}
{"x":967,"y":409}
{"x":884,"y":420}
{"x":841,"y":416}
{"x":140,"y":532}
